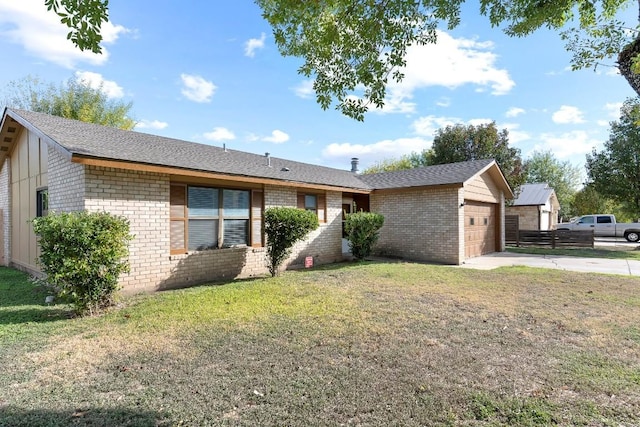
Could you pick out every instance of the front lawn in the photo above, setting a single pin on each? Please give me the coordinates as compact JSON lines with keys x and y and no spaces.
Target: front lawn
{"x":355,"y":344}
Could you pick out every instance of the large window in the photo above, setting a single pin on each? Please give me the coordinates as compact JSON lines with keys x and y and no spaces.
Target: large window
{"x":206,"y":218}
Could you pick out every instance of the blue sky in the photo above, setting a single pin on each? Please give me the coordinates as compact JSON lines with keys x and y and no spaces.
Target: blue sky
{"x":209,"y":72}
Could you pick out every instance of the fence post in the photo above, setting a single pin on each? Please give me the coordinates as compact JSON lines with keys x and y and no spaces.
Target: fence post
{"x":553,"y":239}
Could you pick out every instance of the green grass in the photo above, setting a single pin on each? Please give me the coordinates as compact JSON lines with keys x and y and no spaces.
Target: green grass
{"x":613,"y":253}
{"x":353,"y":344}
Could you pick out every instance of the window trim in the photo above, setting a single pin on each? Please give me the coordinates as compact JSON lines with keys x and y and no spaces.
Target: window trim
{"x":251,"y":217}
{"x":321,"y":204}
{"x":42,"y":201}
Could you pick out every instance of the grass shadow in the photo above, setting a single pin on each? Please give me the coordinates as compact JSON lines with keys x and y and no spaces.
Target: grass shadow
{"x":17,"y":417}
{"x":23,"y":301}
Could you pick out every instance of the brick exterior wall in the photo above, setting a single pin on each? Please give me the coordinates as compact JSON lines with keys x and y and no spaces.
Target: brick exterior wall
{"x":422,"y":225}
{"x":143,"y":198}
{"x":5,"y":213}
{"x":528,"y":216}
{"x":66,"y":183}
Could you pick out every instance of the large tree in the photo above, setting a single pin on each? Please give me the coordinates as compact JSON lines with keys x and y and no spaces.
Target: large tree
{"x":74,"y":99}
{"x":615,"y":171}
{"x":563,"y":177}
{"x":349,"y":44}
{"x":459,"y":143}
{"x":588,"y":201}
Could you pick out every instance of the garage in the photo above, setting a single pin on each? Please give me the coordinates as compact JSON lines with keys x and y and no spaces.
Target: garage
{"x":479,"y":228}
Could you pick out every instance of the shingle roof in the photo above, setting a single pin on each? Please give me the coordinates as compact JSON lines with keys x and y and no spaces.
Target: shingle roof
{"x":107,"y":143}
{"x":533,"y":195}
{"x":452,"y":173}
{"x":91,"y":140}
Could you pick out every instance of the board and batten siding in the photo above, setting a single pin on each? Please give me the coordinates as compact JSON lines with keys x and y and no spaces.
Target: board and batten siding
{"x":28,"y":166}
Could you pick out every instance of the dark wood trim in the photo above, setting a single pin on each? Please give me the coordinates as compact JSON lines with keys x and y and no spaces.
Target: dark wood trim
{"x":169,"y":170}
{"x":419,"y":188}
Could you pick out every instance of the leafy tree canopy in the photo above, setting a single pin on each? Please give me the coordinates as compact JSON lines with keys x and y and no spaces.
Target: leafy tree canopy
{"x":460,"y":143}
{"x":563,"y":177}
{"x":588,"y":201}
{"x":615,"y":171}
{"x":74,"y":99}
{"x":349,"y":44}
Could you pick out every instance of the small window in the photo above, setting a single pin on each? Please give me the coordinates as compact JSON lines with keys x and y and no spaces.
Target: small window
{"x":472,"y":221}
{"x":586,"y":220}
{"x":42,"y":202}
{"x":311,"y":202}
{"x":486,"y":221}
{"x":604,"y":220}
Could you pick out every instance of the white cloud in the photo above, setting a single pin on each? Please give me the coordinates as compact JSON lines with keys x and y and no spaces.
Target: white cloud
{"x":304,"y":89}
{"x":515,"y":134}
{"x":277,"y":137}
{"x":29,"y":24}
{"x":567,"y":115}
{"x":95,"y":80}
{"x":451,"y":62}
{"x":196,"y":88}
{"x":567,"y":144}
{"x":151,"y":124}
{"x":613,"y":109}
{"x":444,"y":102}
{"x":428,"y":125}
{"x":220,"y":134}
{"x":252,"y":45}
{"x":514,"y":112}
{"x":371,"y":153}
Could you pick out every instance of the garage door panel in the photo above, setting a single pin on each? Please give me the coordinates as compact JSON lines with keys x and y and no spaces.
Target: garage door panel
{"x":479,"y":228}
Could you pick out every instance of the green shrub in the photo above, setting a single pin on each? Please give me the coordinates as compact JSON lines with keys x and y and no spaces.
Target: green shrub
{"x":284,"y":227}
{"x":362,"y":230}
{"x":83,"y":254}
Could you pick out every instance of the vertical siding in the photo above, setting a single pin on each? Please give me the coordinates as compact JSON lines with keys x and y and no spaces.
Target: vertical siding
{"x":28,"y":173}
{"x":5,"y":213}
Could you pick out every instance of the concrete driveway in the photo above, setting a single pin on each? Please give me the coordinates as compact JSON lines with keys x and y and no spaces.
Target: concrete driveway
{"x":591,"y":265}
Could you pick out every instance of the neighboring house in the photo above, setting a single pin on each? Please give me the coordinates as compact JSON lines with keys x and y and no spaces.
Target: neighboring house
{"x":536,"y":206}
{"x":196,"y":210}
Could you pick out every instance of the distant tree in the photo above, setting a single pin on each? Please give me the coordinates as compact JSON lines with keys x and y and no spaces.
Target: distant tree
{"x":74,"y":99}
{"x":563,"y":177}
{"x":588,"y":201}
{"x":615,"y":171}
{"x":460,"y":143}
{"x":408,"y":161}
{"x":345,"y":44}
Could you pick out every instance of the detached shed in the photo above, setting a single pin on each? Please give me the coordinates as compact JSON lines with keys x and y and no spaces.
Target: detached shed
{"x":537,"y":207}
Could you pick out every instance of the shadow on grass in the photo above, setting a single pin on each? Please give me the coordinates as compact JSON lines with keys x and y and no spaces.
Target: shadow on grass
{"x":22,"y":301}
{"x":16,"y":417}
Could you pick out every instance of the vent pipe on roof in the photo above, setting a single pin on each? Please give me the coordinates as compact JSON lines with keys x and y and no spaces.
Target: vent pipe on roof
{"x":268,"y":156}
{"x":224,"y":147}
{"x":354,"y":164}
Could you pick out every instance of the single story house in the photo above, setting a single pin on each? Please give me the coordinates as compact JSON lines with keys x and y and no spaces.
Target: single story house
{"x":196,"y":210}
{"x":536,"y":206}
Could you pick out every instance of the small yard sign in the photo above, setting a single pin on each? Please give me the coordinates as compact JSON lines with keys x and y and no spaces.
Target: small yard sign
{"x":308,"y":262}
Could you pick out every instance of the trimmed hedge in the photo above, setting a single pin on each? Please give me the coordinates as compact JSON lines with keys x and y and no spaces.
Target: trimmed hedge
{"x":362,"y":230}
{"x":83,"y":255}
{"x":284,"y":227}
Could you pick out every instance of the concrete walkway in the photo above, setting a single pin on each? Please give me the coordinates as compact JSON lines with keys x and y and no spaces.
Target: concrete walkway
{"x":593,"y":265}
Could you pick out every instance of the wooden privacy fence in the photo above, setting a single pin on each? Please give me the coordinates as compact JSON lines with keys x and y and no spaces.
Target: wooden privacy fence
{"x":554,"y":238}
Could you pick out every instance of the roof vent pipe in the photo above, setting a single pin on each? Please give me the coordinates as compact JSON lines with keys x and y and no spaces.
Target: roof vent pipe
{"x":354,"y":164}
{"x":268,"y":156}
{"x":224,"y":147}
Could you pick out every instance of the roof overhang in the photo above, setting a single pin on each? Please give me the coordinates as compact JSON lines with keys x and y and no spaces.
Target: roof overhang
{"x":498,"y":178}
{"x":169,"y":170}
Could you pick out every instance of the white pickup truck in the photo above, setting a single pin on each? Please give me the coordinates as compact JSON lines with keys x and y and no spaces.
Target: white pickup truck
{"x":603,"y":225}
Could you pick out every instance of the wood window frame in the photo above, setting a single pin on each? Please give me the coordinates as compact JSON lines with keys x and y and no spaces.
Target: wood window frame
{"x":180,"y":214}
{"x":42,"y":202}
{"x":321,"y":204}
